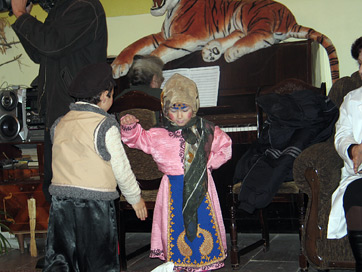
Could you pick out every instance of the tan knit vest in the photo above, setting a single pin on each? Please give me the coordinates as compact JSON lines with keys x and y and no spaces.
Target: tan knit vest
{"x":74,"y":160}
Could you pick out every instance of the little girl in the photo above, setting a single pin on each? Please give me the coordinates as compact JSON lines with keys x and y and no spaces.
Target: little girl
{"x":187,"y":228}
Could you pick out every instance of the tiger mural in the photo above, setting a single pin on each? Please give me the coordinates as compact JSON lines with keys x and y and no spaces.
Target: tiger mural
{"x":231,"y":28}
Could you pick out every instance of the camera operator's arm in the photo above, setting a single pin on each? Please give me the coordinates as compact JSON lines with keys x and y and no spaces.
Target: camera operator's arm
{"x":64,"y":32}
{"x":19,"y":7}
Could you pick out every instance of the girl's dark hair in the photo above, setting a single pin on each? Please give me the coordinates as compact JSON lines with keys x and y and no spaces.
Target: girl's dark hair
{"x":97,"y":98}
{"x":356,"y":48}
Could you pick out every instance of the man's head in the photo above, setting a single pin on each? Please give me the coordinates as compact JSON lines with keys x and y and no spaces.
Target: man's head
{"x":92,"y":82}
{"x":146,"y":70}
{"x":356,"y":51}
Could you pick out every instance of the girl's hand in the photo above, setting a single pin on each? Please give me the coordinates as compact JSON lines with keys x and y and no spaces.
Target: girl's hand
{"x":140,"y":209}
{"x":128,"y":119}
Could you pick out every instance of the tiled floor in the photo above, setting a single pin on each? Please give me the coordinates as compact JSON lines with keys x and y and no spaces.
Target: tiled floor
{"x":282,"y":256}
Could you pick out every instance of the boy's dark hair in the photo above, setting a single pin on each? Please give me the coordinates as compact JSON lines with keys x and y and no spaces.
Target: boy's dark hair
{"x":356,"y":48}
{"x":91,"y":81}
{"x":96,"y":98}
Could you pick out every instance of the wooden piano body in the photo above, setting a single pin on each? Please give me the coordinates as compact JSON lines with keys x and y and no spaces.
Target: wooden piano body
{"x":239,"y":82}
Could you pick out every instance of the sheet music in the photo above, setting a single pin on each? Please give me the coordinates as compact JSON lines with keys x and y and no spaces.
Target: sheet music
{"x":206,"y":79}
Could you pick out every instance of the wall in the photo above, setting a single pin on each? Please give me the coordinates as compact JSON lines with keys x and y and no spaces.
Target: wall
{"x":339,"y":20}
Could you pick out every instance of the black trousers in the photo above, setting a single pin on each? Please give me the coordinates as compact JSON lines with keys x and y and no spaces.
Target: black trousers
{"x":48,"y":173}
{"x":82,"y":236}
{"x":352,"y":195}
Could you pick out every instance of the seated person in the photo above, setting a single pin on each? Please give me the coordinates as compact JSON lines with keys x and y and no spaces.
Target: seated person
{"x":145,"y":75}
{"x":346,"y":213}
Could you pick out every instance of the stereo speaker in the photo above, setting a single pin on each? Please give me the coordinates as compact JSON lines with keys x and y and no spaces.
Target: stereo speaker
{"x":11,"y":117}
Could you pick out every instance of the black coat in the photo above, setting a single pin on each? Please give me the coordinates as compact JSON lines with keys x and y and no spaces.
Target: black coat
{"x":73,"y":35}
{"x":295,"y":121}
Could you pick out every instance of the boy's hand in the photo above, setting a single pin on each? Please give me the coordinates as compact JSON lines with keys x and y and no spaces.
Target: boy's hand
{"x":128,"y":119}
{"x":140,"y":209}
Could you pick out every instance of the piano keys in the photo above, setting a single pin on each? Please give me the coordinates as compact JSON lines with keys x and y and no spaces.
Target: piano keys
{"x":239,"y":129}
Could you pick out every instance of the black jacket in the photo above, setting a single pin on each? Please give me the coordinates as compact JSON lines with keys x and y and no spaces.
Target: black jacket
{"x":73,"y":35}
{"x":295,"y":121}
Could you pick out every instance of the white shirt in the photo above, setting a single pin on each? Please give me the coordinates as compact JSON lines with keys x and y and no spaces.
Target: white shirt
{"x":348,"y":131}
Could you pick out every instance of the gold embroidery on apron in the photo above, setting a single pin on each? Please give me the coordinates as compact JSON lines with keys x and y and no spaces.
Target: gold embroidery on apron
{"x":205,"y":248}
{"x":184,"y":248}
{"x":208,"y":244}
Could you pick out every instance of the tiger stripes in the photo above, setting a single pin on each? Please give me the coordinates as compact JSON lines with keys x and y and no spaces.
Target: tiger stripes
{"x":231,"y":28}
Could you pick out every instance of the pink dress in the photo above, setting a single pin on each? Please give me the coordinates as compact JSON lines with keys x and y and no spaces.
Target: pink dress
{"x":167,"y":149}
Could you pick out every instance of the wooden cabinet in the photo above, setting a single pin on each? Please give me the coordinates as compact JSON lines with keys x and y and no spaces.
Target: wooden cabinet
{"x":14,"y":198}
{"x":17,"y":185}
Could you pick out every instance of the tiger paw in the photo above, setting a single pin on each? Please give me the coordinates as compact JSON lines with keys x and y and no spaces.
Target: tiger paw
{"x":212,"y":51}
{"x":233,"y":53}
{"x":119,"y":70}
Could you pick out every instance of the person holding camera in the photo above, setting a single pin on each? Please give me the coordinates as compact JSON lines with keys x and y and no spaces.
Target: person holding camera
{"x":73,"y":35}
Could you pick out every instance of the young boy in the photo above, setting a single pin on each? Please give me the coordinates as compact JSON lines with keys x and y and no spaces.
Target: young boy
{"x":88,"y":162}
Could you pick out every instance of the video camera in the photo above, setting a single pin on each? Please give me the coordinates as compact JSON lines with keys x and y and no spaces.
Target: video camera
{"x":5,"y":5}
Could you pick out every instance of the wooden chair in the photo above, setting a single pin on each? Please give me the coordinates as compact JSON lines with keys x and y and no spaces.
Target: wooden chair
{"x":145,"y":108}
{"x":288,"y":192}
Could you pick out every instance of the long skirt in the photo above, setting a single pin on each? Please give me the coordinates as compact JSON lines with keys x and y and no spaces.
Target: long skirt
{"x":205,"y":252}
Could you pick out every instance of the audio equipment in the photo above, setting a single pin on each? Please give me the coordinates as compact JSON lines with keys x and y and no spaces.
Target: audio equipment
{"x":35,"y":122}
{"x":19,"y":120}
{"x":10,"y":124}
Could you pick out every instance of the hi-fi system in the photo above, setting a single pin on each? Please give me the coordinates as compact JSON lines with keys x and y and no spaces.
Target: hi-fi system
{"x":19,"y":120}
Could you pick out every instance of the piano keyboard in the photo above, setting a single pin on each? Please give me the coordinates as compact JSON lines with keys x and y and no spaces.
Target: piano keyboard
{"x":238,"y":129}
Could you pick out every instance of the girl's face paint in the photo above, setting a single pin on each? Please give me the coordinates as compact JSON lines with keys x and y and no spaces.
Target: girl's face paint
{"x":180,"y":114}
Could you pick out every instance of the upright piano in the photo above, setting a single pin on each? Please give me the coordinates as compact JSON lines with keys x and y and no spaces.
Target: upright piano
{"x":239,"y":82}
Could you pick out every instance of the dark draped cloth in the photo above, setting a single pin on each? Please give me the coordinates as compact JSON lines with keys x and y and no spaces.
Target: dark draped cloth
{"x":198,"y":133}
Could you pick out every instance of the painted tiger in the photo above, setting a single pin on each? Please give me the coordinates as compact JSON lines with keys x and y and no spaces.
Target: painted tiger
{"x":230,"y":27}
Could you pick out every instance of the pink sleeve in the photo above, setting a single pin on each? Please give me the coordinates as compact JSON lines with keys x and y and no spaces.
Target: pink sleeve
{"x":135,"y":136}
{"x":220,"y":149}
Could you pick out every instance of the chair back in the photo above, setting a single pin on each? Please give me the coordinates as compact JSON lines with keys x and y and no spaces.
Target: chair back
{"x":145,"y":107}
{"x":142,"y":164}
{"x":135,"y":100}
{"x":343,"y":86}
